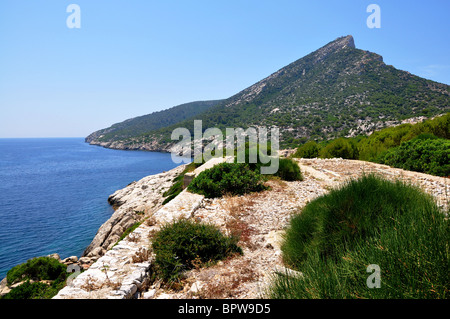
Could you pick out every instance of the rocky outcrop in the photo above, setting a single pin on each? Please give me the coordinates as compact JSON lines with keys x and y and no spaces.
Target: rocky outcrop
{"x":333,"y":47}
{"x":120,"y":274}
{"x":132,"y":204}
{"x":134,"y":144}
{"x":123,"y":271}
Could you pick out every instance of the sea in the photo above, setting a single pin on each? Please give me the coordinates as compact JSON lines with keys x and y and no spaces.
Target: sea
{"x":54,"y":191}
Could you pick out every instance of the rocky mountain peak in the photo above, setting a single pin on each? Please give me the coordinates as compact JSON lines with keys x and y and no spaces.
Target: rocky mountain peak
{"x":346,"y":41}
{"x":334,"y":46}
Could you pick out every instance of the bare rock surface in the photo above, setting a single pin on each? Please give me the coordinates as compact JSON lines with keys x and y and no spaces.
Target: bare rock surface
{"x":119,"y":274}
{"x":132,"y":204}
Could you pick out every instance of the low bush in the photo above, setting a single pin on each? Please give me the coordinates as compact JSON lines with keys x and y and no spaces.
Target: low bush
{"x":367,"y":221}
{"x":379,"y":142}
{"x":289,"y":170}
{"x":255,"y":155}
{"x":341,"y":147}
{"x":184,"y":244}
{"x":385,"y":146}
{"x":35,"y":290}
{"x":227,"y":178}
{"x":308,"y":150}
{"x":36,"y":269}
{"x":40,"y":268}
{"x":425,"y":153}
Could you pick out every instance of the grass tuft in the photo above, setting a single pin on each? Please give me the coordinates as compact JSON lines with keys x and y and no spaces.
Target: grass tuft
{"x":367,"y":221}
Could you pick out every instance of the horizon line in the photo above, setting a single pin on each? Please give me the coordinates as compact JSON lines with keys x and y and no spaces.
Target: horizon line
{"x":37,"y":137}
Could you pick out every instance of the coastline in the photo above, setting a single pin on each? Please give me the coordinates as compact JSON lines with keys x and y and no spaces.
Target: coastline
{"x":101,"y":185}
{"x":132,"y":204}
{"x":136,"y":146}
{"x":265,"y":215}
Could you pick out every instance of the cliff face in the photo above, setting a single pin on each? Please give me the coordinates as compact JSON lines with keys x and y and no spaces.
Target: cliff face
{"x":337,"y":90}
{"x":132,"y":204}
{"x":153,"y":146}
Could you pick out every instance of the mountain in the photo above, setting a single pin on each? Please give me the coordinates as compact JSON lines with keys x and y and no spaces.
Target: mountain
{"x":337,"y":90}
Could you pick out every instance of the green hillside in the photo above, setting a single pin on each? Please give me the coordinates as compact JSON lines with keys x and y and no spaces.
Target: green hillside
{"x":154,"y":121}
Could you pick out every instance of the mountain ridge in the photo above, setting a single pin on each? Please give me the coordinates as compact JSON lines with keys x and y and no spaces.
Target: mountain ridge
{"x":334,"y":91}
{"x":151,"y":121}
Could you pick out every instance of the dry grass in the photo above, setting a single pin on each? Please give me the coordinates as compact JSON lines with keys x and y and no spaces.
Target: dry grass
{"x":238,"y":206}
{"x":92,"y":284}
{"x":114,"y":285}
{"x":240,"y":229}
{"x":276,"y":184}
{"x":143,"y":254}
{"x":150,"y":221}
{"x":228,"y":283}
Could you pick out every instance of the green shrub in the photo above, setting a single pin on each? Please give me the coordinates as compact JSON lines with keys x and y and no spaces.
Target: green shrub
{"x":367,"y":221}
{"x":422,"y":154}
{"x":183,"y":244}
{"x":373,"y":147}
{"x":426,"y":136}
{"x":27,"y":290}
{"x":439,"y":126}
{"x":40,"y":268}
{"x":289,"y":170}
{"x":36,"y":290}
{"x":380,"y":141}
{"x":308,"y":150}
{"x":382,"y":146}
{"x":341,"y":147}
{"x":36,"y":269}
{"x":232,"y":178}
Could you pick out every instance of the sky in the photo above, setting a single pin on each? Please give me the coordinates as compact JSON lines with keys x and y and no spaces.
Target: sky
{"x":131,"y":58}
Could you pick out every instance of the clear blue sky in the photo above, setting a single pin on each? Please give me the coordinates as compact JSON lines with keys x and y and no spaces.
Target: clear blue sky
{"x":131,"y":58}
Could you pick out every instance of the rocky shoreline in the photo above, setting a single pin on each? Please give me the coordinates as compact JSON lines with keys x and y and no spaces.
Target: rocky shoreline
{"x":129,"y":146}
{"x":132,"y":204}
{"x":260,"y":217}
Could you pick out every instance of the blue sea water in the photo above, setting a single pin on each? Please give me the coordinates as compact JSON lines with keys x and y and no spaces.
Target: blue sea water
{"x":53,"y":193}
